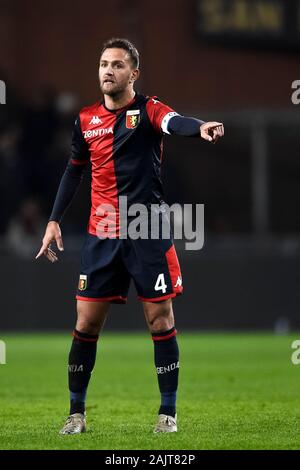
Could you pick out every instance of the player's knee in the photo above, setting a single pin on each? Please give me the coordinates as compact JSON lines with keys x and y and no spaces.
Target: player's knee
{"x":85,"y":325}
{"x":159,"y":325}
{"x":91,"y":317}
{"x":162,"y":317}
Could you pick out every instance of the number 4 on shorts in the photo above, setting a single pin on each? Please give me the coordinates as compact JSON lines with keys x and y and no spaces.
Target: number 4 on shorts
{"x":160,"y":283}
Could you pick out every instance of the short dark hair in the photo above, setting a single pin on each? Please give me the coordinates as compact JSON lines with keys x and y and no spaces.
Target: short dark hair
{"x":120,"y":43}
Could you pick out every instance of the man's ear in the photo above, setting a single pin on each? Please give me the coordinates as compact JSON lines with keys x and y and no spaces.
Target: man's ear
{"x":134,"y":75}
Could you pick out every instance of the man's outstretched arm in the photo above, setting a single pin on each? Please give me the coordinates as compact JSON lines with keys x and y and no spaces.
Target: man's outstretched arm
{"x":165,"y":120}
{"x":192,"y":127}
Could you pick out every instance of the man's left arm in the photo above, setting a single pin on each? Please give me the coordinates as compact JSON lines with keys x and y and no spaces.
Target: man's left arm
{"x":167,"y":121}
{"x":192,"y":127}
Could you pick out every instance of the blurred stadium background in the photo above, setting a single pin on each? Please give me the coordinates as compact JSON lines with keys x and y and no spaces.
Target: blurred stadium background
{"x":229,"y":60}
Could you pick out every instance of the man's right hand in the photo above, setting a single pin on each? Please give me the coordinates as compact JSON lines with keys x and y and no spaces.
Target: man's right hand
{"x":52,"y":233}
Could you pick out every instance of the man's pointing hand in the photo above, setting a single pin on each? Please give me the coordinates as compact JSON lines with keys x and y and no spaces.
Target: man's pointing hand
{"x":52,"y":233}
{"x":212,"y":131}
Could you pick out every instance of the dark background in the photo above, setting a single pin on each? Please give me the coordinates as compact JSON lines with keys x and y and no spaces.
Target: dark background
{"x":227,"y":60}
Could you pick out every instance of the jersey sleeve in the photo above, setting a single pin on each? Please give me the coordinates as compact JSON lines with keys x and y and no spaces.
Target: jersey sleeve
{"x":159,"y":115}
{"x":186,"y":126}
{"x":73,"y":174}
{"x":80,"y":154}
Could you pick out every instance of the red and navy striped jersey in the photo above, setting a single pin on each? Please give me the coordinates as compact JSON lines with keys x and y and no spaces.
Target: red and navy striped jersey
{"x":124,"y":147}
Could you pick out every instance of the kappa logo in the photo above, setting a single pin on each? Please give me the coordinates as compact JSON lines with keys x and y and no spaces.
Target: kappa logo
{"x":82,"y":282}
{"x":178,"y":282}
{"x":95,"y":120}
{"x":132,"y":118}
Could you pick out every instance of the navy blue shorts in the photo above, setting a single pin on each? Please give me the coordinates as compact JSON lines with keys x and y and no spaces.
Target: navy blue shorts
{"x":107,"y":266}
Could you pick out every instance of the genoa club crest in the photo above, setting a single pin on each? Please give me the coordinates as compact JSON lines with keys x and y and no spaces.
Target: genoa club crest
{"x":82,"y":282}
{"x":132,"y":118}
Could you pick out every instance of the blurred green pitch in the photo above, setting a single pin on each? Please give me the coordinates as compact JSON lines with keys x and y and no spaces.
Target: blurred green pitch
{"x":237,"y":391}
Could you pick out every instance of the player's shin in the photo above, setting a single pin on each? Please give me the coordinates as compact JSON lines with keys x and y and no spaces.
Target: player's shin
{"x":166,"y":356}
{"x":82,"y":359}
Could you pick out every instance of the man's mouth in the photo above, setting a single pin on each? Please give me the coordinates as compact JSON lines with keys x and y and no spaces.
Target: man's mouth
{"x":108,"y":80}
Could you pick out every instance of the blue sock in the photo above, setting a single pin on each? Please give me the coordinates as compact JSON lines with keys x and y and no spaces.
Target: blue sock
{"x":166,"y":355}
{"x":168,"y":404}
{"x":81,"y":363}
{"x":77,"y":401}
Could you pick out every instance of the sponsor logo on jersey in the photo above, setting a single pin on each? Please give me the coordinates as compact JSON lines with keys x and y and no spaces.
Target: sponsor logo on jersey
{"x":178,"y":282}
{"x":95,"y":120}
{"x":132,"y":118}
{"x":98,"y":132}
{"x":82,"y":282}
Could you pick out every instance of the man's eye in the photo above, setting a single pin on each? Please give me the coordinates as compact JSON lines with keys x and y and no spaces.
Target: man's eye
{"x":119,"y":66}
{"x":102,"y":65}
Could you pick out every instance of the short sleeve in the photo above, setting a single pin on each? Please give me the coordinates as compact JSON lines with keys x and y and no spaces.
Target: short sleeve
{"x":79,"y":149}
{"x":159,"y":114}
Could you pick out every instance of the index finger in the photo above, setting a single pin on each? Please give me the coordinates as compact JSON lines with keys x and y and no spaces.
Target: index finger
{"x":221,"y":130}
{"x":42,"y":250}
{"x":215,"y":124}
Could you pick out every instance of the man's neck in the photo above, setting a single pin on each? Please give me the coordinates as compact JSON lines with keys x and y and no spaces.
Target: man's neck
{"x":119,"y":101}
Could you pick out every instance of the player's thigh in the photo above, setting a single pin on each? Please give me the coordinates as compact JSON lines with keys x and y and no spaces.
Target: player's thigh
{"x":159,"y":315}
{"x":155,"y":270}
{"x":91,"y":316}
{"x":103,"y":276}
